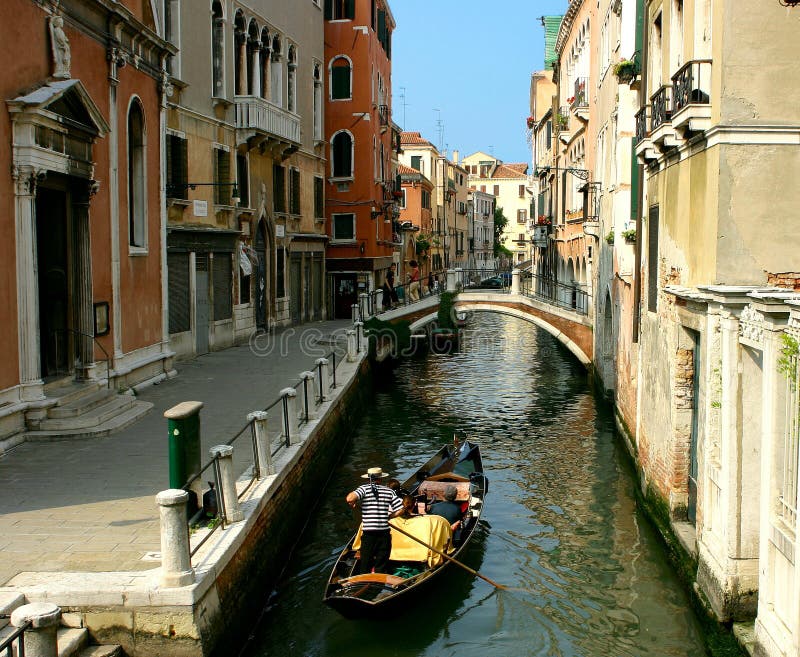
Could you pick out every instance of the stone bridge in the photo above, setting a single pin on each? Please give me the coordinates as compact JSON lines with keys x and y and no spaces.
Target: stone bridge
{"x":570,"y":327}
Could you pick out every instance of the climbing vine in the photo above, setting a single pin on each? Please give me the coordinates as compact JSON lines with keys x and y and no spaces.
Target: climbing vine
{"x":787,"y":361}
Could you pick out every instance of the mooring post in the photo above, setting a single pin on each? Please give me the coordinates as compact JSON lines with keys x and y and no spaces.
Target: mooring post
{"x":291,"y":428}
{"x":224,"y":456}
{"x":352,"y":347}
{"x":260,"y":424}
{"x":378,"y":301}
{"x":363,"y":299}
{"x":360,"y":346}
{"x":515,"y":274}
{"x":40,"y":638}
{"x":309,"y":403}
{"x":323,"y":370}
{"x":176,"y":562}
{"x":356,"y":316}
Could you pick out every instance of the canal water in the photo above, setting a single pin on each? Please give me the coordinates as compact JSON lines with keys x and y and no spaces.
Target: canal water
{"x":560,"y":525}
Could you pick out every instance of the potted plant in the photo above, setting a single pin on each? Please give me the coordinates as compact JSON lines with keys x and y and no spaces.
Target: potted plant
{"x":610,"y":237}
{"x":629,"y":235}
{"x":422,"y":243}
{"x":626,"y":70}
{"x":530,"y":121}
{"x":562,"y":120}
{"x":543,"y":220}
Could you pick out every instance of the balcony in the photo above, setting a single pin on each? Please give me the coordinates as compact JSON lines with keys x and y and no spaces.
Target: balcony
{"x":561,"y":124}
{"x":644,"y":147}
{"x":691,"y":107}
{"x":541,"y":236}
{"x":259,"y":121}
{"x":580,"y":101}
{"x":661,"y":133}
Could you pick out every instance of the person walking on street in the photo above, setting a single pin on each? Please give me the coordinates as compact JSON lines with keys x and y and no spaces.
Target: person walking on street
{"x":378,"y":505}
{"x":389,"y":293}
{"x":413,"y":281}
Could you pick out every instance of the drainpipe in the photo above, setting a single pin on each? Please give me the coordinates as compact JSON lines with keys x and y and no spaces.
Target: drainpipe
{"x":642,"y":42}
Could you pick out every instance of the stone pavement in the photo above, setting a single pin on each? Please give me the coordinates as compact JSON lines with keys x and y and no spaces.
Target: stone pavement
{"x":89,"y":505}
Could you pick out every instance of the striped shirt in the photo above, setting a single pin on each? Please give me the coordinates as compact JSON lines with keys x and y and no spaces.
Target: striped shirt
{"x":375,"y":510}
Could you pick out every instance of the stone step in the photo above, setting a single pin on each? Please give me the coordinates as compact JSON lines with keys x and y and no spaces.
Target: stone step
{"x":102,"y":651}
{"x":9,"y":601}
{"x":70,"y":391}
{"x":71,"y":641}
{"x":115,"y":423}
{"x":94,"y":417}
{"x":81,"y":405}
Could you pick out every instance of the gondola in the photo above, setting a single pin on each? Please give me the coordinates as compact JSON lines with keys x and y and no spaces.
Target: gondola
{"x":374,"y":595}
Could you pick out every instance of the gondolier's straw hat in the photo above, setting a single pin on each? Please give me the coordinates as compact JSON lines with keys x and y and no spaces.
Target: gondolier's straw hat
{"x":375,"y":473}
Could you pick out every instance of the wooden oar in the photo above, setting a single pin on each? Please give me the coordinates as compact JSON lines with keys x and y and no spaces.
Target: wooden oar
{"x":449,"y":558}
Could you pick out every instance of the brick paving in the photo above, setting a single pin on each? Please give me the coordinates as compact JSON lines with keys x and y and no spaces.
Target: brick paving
{"x":89,"y":505}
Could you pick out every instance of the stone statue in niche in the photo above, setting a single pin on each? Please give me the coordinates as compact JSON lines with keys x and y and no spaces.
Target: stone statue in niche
{"x":61,"y":52}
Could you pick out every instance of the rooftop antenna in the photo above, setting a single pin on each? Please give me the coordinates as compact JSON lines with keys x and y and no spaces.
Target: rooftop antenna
{"x":404,"y":104}
{"x":440,"y":127}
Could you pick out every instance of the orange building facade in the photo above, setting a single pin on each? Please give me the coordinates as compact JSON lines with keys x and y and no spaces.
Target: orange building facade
{"x":80,"y":202}
{"x":361,"y":192}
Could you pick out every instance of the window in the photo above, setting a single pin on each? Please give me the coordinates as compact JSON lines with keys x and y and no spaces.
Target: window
{"x":522,"y":191}
{"x":276,"y":72}
{"x":337,"y":10}
{"x":319,"y":197}
{"x":522,"y":216}
{"x":177,"y":167}
{"x":341,"y":79}
{"x":483,"y":188}
{"x":217,"y":50}
{"x":222,"y":175}
{"x":426,"y":199}
{"x":343,"y":227}
{"x":402,"y":202}
{"x":317,"y":102}
{"x":416,"y":162}
{"x":497,"y":190}
{"x":294,"y":191}
{"x":243,"y":180}
{"x":279,"y":188}
{"x":137,"y":197}
{"x":652,"y":259}
{"x":342,"y":155}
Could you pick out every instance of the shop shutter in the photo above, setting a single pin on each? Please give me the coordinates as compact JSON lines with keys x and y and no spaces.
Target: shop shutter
{"x":178,"y":278}
{"x":223,"y":286}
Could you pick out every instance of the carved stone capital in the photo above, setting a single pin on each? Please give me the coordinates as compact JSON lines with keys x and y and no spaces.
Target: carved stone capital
{"x":751,"y":326}
{"x":26,"y":179}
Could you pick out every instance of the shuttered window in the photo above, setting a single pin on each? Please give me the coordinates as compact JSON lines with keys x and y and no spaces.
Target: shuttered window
{"x":295,"y":191}
{"x":177,"y":167}
{"x":179,"y":307}
{"x":340,"y":9}
{"x":652,"y":259}
{"x":223,"y":286}
{"x":222,"y":193}
{"x":243,"y":180}
{"x":319,"y":197}
{"x":342,"y":147}
{"x":340,"y":79}
{"x":279,"y":188}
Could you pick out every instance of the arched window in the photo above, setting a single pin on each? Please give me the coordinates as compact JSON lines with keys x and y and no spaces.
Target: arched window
{"x":342,"y":155}
{"x":217,"y":50}
{"x":291,"y":87}
{"x":341,"y":79}
{"x":276,"y":93}
{"x":265,"y":57}
{"x":317,"y":102}
{"x":137,"y":198}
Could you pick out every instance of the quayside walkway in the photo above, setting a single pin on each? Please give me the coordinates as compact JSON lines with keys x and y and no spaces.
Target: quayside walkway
{"x":89,"y":505}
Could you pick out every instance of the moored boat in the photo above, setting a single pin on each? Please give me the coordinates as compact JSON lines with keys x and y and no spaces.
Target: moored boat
{"x":421,"y":544}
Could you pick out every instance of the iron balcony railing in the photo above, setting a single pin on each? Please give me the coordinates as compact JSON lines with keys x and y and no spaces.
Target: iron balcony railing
{"x":641,"y":123}
{"x":255,"y":113}
{"x":562,"y":119}
{"x":580,"y":98}
{"x":691,"y":85}
{"x":660,"y":111}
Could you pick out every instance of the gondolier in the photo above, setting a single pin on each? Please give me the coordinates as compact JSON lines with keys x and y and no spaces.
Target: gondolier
{"x":378,"y":504}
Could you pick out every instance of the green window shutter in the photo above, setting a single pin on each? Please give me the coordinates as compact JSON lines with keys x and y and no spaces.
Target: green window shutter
{"x":183,"y":168}
{"x":350,"y":9}
{"x":223,"y":192}
{"x":279,"y":189}
{"x":381,"y":25}
{"x":295,"y":173}
{"x":328,"y":10}
{"x":340,"y":81}
{"x":319,"y":198}
{"x":171,"y":182}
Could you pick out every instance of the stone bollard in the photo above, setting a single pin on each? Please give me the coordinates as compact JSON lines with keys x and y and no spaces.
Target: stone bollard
{"x":40,"y":638}
{"x":224,"y":456}
{"x":459,"y":279}
{"x":259,"y":420}
{"x":176,"y":562}
{"x":378,"y":301}
{"x":356,"y":316}
{"x":360,"y":346}
{"x":323,"y":371}
{"x":309,"y":410}
{"x":290,"y":423}
{"x":352,"y":348}
{"x":363,"y":300}
{"x":451,"y":280}
{"x":515,"y":275}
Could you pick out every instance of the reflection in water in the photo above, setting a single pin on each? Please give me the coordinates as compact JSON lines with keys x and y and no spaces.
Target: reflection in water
{"x":561,"y":526}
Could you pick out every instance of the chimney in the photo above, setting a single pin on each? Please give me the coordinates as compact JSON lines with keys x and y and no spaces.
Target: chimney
{"x":455,"y":157}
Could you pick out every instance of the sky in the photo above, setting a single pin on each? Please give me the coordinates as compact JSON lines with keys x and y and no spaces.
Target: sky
{"x":471,"y":60}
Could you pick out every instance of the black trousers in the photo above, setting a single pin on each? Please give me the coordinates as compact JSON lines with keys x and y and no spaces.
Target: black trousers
{"x":375,"y":550}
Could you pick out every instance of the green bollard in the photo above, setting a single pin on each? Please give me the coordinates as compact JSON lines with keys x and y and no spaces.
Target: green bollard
{"x":183,"y":429}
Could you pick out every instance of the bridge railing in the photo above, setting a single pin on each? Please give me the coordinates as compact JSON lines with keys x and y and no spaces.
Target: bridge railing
{"x":377,"y":301}
{"x":564,"y":295}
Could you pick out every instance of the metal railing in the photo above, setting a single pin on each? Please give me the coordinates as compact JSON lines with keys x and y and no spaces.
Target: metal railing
{"x":691,"y":85}
{"x":581,"y":98}
{"x":81,"y":334}
{"x":368,"y":305}
{"x":564,"y":295}
{"x":641,"y":123}
{"x":562,"y":119}
{"x":660,"y":111}
{"x":7,"y":647}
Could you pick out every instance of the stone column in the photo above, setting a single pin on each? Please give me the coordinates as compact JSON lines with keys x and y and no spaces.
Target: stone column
{"x":259,"y":420}
{"x":82,"y":270}
{"x":352,"y":350}
{"x":176,"y":563}
{"x":240,"y":52}
{"x":323,"y":370}
{"x":451,"y":281}
{"x":256,"y":73}
{"x":25,"y":179}
{"x":309,"y":409}
{"x":224,"y":456}
{"x":290,"y":416}
{"x":515,"y":274}
{"x":40,"y":639}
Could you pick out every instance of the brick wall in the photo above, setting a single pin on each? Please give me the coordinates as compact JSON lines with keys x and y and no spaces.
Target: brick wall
{"x":790,"y":280}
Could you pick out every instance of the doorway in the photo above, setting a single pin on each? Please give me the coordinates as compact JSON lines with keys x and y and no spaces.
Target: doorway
{"x":52,"y":252}
{"x":344,"y":295}
{"x":261,"y":277}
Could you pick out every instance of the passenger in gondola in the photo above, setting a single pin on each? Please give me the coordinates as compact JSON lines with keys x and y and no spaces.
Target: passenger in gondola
{"x":449,"y":509}
{"x":379,"y":504}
